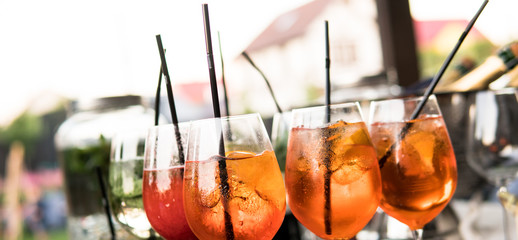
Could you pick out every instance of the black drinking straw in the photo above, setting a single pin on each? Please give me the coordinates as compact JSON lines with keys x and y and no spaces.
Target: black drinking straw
{"x":265,"y":79}
{"x":223,"y":175}
{"x":328,"y":77}
{"x":434,"y":82}
{"x":157,"y":97}
{"x":171,"y":99}
{"x":225,"y":95}
{"x":327,"y":159}
{"x":105,"y":202}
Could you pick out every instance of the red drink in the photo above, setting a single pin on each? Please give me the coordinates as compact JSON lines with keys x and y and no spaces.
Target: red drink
{"x":163,"y":202}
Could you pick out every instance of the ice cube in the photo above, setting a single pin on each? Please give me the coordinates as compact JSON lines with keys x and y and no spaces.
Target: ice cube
{"x":346,"y":175}
{"x":210,"y":199}
{"x":333,"y":132}
{"x":358,"y":134}
{"x":244,"y":196}
{"x":417,"y":152}
{"x":353,"y":164}
{"x":338,"y":155}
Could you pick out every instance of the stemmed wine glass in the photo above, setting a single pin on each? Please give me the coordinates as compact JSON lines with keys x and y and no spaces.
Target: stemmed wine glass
{"x":125,"y":181}
{"x":418,"y":166}
{"x":162,"y":185}
{"x":233,"y":187}
{"x":332,"y":174}
{"x":492,"y":142}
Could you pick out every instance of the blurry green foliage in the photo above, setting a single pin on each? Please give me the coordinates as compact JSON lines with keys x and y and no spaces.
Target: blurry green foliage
{"x":27,"y":129}
{"x":431,"y":59}
{"x":58,"y":234}
{"x":313,"y":93}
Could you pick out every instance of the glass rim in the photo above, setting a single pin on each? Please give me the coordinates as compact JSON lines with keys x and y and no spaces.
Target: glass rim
{"x":332,"y":106}
{"x":404,"y":99}
{"x":227,"y":118}
{"x":502,"y":91}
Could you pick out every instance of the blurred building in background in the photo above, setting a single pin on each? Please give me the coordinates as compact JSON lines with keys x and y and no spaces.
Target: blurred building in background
{"x":291,"y":53}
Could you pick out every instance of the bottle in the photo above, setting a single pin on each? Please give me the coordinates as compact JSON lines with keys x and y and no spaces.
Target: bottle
{"x":505,"y":59}
{"x":83,"y":146}
{"x":508,"y":80}
{"x":460,"y":69}
{"x":512,"y":77}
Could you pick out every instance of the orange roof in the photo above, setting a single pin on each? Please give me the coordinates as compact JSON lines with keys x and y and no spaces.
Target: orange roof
{"x":193,"y":92}
{"x":426,"y":31}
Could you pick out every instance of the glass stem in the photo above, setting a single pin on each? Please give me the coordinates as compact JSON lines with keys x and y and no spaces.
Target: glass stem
{"x":507,"y":234}
{"x":503,"y":183}
{"x":417,"y":234}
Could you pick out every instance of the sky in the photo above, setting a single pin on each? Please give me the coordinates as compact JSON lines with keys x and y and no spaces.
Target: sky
{"x":84,"y":49}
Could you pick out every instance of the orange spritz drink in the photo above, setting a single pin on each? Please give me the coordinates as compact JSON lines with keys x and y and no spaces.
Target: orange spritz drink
{"x":236,"y":195}
{"x":420,"y":176}
{"x":332,"y":174}
{"x":257,"y":201}
{"x":419,"y":172}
